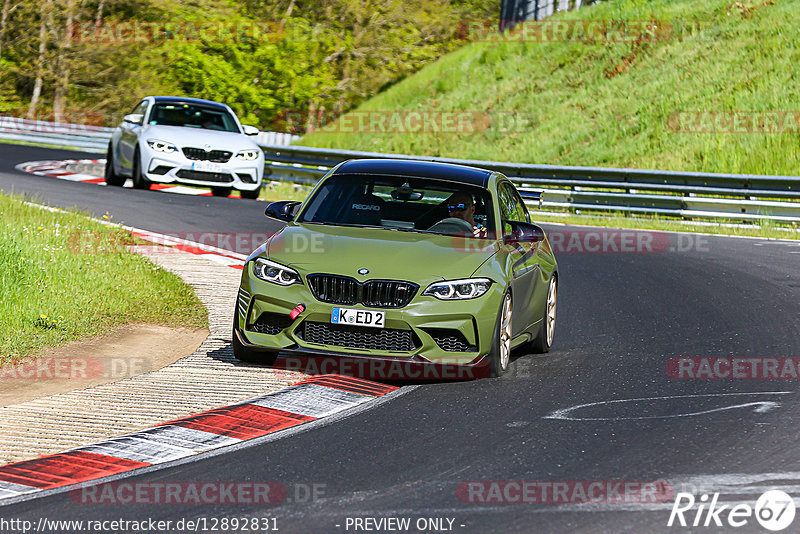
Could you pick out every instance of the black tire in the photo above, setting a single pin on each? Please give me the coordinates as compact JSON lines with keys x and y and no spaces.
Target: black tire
{"x":139,"y":181}
{"x":544,"y":339}
{"x":221,"y":191}
{"x":250,"y":194}
{"x":111,"y":177}
{"x":243,"y":354}
{"x":498,"y":365}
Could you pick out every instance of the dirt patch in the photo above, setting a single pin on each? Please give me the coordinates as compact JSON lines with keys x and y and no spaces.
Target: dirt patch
{"x":127,"y":351}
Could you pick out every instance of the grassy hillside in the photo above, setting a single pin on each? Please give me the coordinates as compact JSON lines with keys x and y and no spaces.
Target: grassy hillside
{"x":610,"y":104}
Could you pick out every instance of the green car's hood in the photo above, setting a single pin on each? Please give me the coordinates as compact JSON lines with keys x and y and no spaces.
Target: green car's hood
{"x":388,"y":254}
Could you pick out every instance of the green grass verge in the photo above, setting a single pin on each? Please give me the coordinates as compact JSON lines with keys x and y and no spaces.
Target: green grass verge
{"x":64,"y":277}
{"x":273,"y":191}
{"x":610,"y":104}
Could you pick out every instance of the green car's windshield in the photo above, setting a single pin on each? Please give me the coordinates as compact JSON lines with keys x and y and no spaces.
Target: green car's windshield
{"x":193,"y":116}
{"x":400,"y":203}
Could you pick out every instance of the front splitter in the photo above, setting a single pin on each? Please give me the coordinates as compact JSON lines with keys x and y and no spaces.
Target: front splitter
{"x":387,"y":368}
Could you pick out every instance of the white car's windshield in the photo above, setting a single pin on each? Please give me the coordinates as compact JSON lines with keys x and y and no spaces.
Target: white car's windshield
{"x":193,"y":116}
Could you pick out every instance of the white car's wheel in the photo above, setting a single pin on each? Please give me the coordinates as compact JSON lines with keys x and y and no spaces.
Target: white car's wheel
{"x":139,"y":180}
{"x":250,"y":194}
{"x":112,"y":178}
{"x":221,"y":191}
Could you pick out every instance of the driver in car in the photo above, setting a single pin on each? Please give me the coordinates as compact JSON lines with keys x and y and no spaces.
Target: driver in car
{"x":460,"y":205}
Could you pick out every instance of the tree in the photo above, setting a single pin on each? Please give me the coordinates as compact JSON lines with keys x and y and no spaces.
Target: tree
{"x":333,"y":55}
{"x":44,"y":21}
{"x":5,"y":12}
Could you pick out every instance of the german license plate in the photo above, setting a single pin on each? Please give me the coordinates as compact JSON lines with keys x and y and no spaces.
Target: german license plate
{"x":358,"y":317}
{"x":206,"y":166}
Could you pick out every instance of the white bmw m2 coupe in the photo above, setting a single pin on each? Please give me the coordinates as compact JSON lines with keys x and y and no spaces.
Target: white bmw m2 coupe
{"x":189,"y":141}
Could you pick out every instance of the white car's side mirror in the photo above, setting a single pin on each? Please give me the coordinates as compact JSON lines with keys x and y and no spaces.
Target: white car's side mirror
{"x":250,"y":130}
{"x":135,"y":118}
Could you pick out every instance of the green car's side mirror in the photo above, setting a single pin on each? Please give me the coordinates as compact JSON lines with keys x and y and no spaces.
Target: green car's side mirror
{"x":523,"y":232}
{"x":282,"y":210}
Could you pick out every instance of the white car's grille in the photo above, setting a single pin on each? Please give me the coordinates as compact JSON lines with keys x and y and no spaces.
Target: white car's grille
{"x":201,"y":154}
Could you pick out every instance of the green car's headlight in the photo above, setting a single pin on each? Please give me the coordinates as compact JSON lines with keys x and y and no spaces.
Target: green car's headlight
{"x":269,"y":271}
{"x":468,"y":288}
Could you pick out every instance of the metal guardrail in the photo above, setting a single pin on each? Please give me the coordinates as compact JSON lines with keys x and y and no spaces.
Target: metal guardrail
{"x":88,"y":138}
{"x":276,"y":138}
{"x":687,"y":195}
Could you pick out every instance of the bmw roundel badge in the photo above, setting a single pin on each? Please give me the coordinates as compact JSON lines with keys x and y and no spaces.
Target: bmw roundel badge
{"x":363,"y":271}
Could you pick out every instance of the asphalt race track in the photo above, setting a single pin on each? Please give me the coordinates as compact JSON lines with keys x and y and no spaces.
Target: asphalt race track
{"x":621,"y":317}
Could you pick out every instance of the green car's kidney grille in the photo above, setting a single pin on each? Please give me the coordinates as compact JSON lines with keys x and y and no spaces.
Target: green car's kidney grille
{"x":344,"y":290}
{"x":384,"y":339}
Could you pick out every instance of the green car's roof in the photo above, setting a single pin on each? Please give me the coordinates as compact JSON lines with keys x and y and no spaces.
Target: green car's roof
{"x":417,"y":169}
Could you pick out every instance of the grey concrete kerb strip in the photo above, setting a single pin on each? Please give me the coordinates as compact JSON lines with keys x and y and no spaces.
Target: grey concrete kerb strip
{"x":208,"y":378}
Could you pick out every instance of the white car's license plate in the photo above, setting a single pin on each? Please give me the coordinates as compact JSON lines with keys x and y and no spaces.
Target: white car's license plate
{"x":206,"y":166}
{"x":358,"y":317}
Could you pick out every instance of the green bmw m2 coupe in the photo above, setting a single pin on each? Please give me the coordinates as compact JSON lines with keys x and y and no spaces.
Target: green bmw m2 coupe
{"x":401,"y":261}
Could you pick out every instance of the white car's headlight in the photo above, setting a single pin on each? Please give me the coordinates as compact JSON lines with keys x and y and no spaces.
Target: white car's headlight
{"x":468,"y":288}
{"x":162,"y":146}
{"x":276,"y":273}
{"x":248,"y":155}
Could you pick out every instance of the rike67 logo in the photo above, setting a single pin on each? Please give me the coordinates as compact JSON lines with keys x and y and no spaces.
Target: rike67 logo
{"x":774,"y":510}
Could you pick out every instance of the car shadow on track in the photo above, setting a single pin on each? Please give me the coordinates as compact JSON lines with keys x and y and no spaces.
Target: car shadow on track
{"x":394,"y":372}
